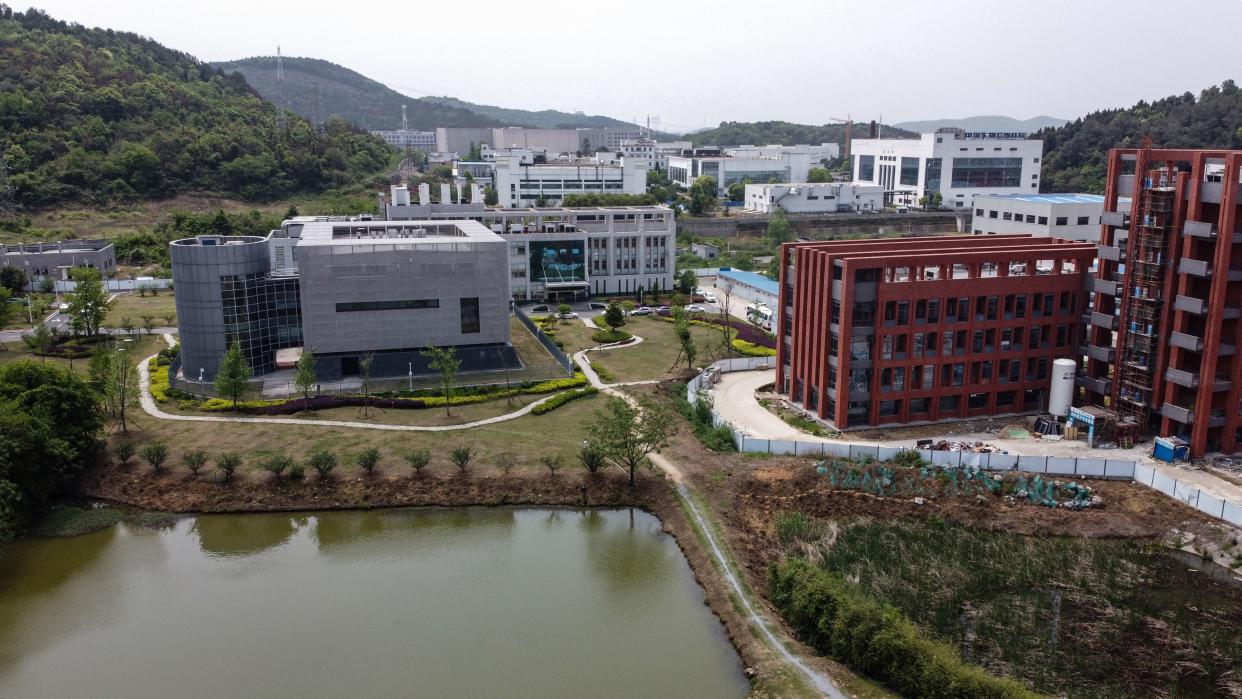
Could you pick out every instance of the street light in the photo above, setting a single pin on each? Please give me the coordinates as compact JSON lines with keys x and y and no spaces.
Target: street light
{"x":411,"y":376}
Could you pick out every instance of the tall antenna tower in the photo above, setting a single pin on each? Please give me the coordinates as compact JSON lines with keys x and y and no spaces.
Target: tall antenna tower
{"x":281,"y":124}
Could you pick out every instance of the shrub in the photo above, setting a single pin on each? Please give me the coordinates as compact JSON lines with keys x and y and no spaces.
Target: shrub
{"x":123,"y":451}
{"x":418,"y":459}
{"x":276,"y":464}
{"x":592,"y":458}
{"x":323,"y":461}
{"x":368,"y":459}
{"x":607,"y":336}
{"x":876,"y":641}
{"x":561,"y":399}
{"x":603,"y":373}
{"x":296,"y":471}
{"x":749,"y":349}
{"x":461,"y":456}
{"x":699,"y":415}
{"x":552,"y":462}
{"x":155,"y":453}
{"x":194,"y":460}
{"x":797,"y":527}
{"x":908,"y":458}
{"x":506,"y":461}
{"x":228,"y":463}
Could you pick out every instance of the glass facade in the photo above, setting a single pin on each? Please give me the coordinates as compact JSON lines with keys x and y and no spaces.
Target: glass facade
{"x":987,"y":172}
{"x":932,"y":167}
{"x":866,"y":168}
{"x":909,"y":171}
{"x":470,"y":315}
{"x":757,"y":176}
{"x":558,"y":261}
{"x":262,"y":314}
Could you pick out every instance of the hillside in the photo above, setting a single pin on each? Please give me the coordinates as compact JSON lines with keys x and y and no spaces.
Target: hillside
{"x":1075,"y":154}
{"x":758,"y":133}
{"x":93,"y":116}
{"x":318,"y":89}
{"x":544,"y":119}
{"x":984,"y":123}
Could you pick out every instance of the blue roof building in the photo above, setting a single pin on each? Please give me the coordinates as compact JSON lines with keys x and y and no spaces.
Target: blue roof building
{"x":1067,"y":216}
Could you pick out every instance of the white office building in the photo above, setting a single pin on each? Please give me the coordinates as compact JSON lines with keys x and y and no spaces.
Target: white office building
{"x":570,"y":253}
{"x":959,"y":165}
{"x":814,"y":197}
{"x":407,"y":138}
{"x":817,"y":154}
{"x":1067,"y":216}
{"x":655,"y":153}
{"x":684,"y":169}
{"x":521,"y":185}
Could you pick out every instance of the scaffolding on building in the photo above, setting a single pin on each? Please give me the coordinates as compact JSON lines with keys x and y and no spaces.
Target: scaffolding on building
{"x":1147,"y":271}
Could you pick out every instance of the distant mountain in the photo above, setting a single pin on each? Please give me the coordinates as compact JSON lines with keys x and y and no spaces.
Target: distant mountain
{"x":760,"y":133}
{"x":90,"y":115}
{"x":318,"y":89}
{"x":984,"y":123}
{"x":544,"y":119}
{"x":1075,"y":155}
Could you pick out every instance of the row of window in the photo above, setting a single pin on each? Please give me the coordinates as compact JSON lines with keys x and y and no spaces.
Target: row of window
{"x":958,"y":310}
{"x":951,"y":342}
{"x":387,"y":305}
{"x":1030,"y":218}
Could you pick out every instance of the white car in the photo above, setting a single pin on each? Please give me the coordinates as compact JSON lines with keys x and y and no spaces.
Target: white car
{"x":641,"y":311}
{"x":695,"y":308}
{"x":566,"y":316}
{"x":709,"y":297}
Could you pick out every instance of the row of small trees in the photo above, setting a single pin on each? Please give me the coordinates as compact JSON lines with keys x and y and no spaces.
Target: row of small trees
{"x":148,"y":322}
{"x":622,"y":435}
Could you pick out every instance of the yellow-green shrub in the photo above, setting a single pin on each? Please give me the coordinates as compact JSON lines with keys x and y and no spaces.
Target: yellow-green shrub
{"x":561,"y":399}
{"x":750,"y":349}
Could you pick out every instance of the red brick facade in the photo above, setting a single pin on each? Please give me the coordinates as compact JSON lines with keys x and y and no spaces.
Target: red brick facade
{"x":877,"y":332}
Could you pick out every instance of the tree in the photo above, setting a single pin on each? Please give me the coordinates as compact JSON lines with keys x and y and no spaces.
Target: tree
{"x":276,"y":464}
{"x":127,"y":324}
{"x":89,"y":303}
{"x":490,"y":197}
{"x":461,"y":456}
{"x":118,"y":381}
{"x":779,"y":230}
{"x":506,"y":461}
{"x":6,"y":308}
{"x":592,"y":458}
{"x":737,"y":192}
{"x":687,"y":281}
{"x":627,"y":435}
{"x":726,"y":288}
{"x":368,"y":459}
{"x":194,"y":460}
{"x":48,"y":285}
{"x":228,"y":463}
{"x":475,"y":154}
{"x":552,"y":462}
{"x":170,"y":319}
{"x":446,"y":362}
{"x":818,"y":174}
{"x":323,"y":461}
{"x":291,"y":212}
{"x":540,"y":202}
{"x":148,"y":323}
{"x":123,"y":450}
{"x":14,"y":279}
{"x":563,"y":310}
{"x":233,"y":375}
{"x":685,"y":339}
{"x":304,"y":378}
{"x":704,"y":196}
{"x":40,"y":340}
{"x":364,"y":373}
{"x":418,"y":460}
{"x":154,"y":453}
{"x":613,"y":316}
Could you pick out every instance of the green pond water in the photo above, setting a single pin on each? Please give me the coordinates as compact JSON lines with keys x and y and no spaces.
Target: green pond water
{"x":382,"y":603}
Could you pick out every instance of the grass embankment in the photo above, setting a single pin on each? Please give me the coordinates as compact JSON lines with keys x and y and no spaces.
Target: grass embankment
{"x":67,"y":520}
{"x":142,"y":346}
{"x":1078,"y":617}
{"x":654,"y":358}
{"x":159,"y":305}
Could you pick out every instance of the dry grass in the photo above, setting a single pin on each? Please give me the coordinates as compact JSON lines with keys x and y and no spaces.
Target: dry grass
{"x":654,"y":357}
{"x":134,"y":306}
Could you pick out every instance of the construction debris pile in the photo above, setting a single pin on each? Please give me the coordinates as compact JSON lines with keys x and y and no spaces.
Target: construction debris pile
{"x":927,"y":481}
{"x":976,"y":447}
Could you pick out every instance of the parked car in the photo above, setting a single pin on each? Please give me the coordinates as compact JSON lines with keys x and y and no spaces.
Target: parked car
{"x":540,"y":309}
{"x":597,"y":306}
{"x":695,"y":308}
{"x":641,"y":311}
{"x":664,"y":311}
{"x":709,"y":297}
{"x":566,"y":316}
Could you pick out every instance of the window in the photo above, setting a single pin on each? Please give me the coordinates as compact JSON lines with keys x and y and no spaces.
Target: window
{"x":1030,"y":218}
{"x":1084,"y":220}
{"x":889,"y":408}
{"x":992,"y":214}
{"x":399,"y":305}
{"x":918,"y":405}
{"x":470,"y":315}
{"x":1005,"y":399}
{"x":1062,"y":220}
{"x":933,"y":311}
{"x":978,"y":400}
{"x":949,"y":404}
{"x":978,"y":212}
{"x":909,"y":171}
{"x":866,"y":168}
{"x":1043,"y":220}
{"x":1008,"y":216}
{"x":986,"y":172}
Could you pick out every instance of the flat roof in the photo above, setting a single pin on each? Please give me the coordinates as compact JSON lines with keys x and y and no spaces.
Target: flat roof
{"x":1048,"y":198}
{"x":754,"y":279}
{"x":407,"y":233}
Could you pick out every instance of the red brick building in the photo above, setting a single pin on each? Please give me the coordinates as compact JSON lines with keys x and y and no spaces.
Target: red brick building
{"x":878,"y":332}
{"x":1163,"y":334}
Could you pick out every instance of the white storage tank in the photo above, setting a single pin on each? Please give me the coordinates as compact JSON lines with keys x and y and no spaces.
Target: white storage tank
{"x":401,"y":196}
{"x":1061,"y":395}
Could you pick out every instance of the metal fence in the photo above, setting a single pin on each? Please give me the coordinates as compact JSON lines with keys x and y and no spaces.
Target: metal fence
{"x":1122,"y":469}
{"x":65,"y":286}
{"x":559,"y":355}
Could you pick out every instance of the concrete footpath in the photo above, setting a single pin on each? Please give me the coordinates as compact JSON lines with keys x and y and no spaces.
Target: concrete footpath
{"x":734,"y":399}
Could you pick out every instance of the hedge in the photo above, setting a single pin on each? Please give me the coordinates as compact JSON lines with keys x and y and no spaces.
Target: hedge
{"x":605,"y":336}
{"x":561,"y":399}
{"x":750,"y":349}
{"x":877,"y":641}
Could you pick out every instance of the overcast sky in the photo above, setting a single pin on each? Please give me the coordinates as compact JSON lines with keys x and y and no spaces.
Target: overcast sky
{"x":693,"y":63}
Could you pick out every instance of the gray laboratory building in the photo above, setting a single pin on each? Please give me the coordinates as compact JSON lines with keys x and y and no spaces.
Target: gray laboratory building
{"x":57,"y":259}
{"x":345,"y":289}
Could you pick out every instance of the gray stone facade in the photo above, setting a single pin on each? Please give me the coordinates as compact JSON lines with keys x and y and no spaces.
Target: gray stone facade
{"x":55,"y":260}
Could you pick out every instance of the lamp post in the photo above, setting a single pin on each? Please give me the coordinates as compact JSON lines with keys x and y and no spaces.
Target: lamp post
{"x":411,"y":376}
{"x":200,"y":382}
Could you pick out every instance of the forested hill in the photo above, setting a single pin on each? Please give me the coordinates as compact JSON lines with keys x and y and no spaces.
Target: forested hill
{"x":95,"y":116}
{"x":542,"y":119}
{"x":318,"y":89}
{"x":761,"y":133}
{"x":1075,"y":155}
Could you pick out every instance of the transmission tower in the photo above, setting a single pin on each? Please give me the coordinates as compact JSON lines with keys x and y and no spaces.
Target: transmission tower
{"x":405,"y":122}
{"x":320,"y":117}
{"x":281,"y":124}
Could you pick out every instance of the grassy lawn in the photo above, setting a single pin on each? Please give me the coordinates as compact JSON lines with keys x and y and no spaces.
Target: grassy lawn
{"x":133,"y":306}
{"x":142,"y":346}
{"x":529,"y":437}
{"x":575,"y":334}
{"x":19,"y":318}
{"x":654,"y":357}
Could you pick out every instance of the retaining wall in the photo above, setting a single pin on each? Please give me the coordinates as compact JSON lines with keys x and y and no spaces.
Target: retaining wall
{"x":1086,"y":467}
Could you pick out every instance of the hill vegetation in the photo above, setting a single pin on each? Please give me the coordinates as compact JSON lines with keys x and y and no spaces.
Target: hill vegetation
{"x":759,"y":133}
{"x":318,"y":89}
{"x":543,"y":119}
{"x":96,"y":116}
{"x":1075,"y":155}
{"x":983,"y":123}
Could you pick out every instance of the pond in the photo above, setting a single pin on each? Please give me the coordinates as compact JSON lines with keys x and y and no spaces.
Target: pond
{"x":465,"y":602}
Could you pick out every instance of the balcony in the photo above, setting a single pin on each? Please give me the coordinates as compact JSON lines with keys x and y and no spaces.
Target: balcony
{"x":1193,"y":343}
{"x":1103,"y":286}
{"x":1103,"y":354}
{"x":1178,"y":413}
{"x":1182,"y":378}
{"x":1190,"y":304}
{"x":1125,"y":185}
{"x":1110,"y":252}
{"x":1198,"y":268}
{"x":1199,"y":229}
{"x":1103,"y":320}
{"x":1103,"y":387}
{"x":1115,"y":219}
